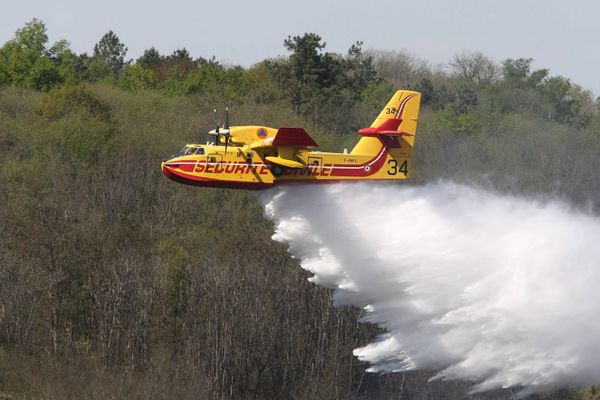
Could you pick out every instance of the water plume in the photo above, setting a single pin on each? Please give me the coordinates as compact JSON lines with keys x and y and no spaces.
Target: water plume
{"x":497,"y":290}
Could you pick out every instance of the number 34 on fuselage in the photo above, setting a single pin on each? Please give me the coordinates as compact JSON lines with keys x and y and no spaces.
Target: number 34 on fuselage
{"x":257,"y":157}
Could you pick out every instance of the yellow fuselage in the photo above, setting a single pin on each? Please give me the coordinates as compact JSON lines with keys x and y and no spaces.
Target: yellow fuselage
{"x":240,"y":167}
{"x":258,"y":157}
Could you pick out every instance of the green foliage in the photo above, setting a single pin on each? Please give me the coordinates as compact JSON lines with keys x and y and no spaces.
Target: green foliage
{"x":229,"y":83}
{"x":150,"y":58}
{"x":115,"y":281}
{"x":97,"y":70}
{"x":436,"y":98}
{"x":376,"y":94}
{"x":338,"y":92}
{"x":44,"y":74}
{"x":136,"y":77}
{"x":111,"y":52}
{"x":80,"y":124}
{"x":450,"y":121}
{"x":27,"y":62}
{"x":69,"y":98}
{"x":66,"y":60}
{"x":310,"y":70}
{"x":516,"y":72}
{"x":325,"y":87}
{"x":571,"y":104}
{"x":32,"y":37}
{"x":466,"y":100}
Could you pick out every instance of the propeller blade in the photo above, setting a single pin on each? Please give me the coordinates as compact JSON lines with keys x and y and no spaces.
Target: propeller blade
{"x":226,"y":126}
{"x":216,"y":122}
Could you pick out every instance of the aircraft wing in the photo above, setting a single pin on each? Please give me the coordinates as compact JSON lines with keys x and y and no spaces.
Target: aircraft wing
{"x":285,"y":162}
{"x":288,"y":141}
{"x":286,"y":137}
{"x":293,"y":137}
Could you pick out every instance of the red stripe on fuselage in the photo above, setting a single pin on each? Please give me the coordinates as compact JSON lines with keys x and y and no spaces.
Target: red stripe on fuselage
{"x":363,"y":170}
{"x":195,"y":180}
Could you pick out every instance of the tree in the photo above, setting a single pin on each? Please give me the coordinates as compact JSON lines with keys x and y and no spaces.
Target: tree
{"x":307,"y":62}
{"x":150,"y":58}
{"x":400,"y":67}
{"x":359,"y":70}
{"x":474,"y":67}
{"x":68,"y":99}
{"x":111,"y":51}
{"x":322,"y":84}
{"x":518,"y":73}
{"x":181,"y":62}
{"x":466,"y":100}
{"x":427,"y":91}
{"x":26,"y":61}
{"x":32,"y":37}
{"x":437,"y":98}
{"x":571,"y":104}
{"x":135,"y":77}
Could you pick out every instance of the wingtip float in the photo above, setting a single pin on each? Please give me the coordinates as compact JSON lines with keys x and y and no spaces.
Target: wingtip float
{"x":257,"y":157}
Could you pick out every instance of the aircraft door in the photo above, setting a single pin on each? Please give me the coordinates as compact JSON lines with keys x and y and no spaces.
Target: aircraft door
{"x":315,"y":165}
{"x":214,"y":158}
{"x":214,"y":163}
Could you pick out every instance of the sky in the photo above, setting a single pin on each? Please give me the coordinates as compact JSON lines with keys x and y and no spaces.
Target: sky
{"x":560,"y":35}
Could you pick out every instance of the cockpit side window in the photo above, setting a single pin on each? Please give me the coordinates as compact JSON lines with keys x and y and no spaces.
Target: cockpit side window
{"x":186,"y":151}
{"x":183,"y":151}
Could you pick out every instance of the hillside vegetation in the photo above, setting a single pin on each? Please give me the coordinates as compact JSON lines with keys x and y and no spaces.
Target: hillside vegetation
{"x":116,"y":283}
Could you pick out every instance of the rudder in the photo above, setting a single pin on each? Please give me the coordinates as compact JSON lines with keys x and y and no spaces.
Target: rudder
{"x":403,"y":105}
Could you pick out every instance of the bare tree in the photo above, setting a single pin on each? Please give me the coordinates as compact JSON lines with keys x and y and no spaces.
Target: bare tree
{"x":399,"y":66}
{"x":474,"y":67}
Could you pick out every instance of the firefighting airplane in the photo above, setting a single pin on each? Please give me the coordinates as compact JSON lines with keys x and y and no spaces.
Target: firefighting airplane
{"x":258,"y":157}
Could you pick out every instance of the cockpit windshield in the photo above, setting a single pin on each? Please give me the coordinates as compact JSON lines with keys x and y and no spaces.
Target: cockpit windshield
{"x":189,"y":150}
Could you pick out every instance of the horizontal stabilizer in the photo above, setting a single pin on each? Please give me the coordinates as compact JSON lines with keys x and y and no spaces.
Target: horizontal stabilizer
{"x":293,"y":137}
{"x":285,"y":162}
{"x":389,"y":128}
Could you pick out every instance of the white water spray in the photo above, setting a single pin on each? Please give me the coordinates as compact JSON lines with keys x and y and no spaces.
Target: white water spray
{"x":497,"y":290}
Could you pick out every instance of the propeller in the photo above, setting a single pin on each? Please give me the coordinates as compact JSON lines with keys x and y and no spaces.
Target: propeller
{"x":218,"y":132}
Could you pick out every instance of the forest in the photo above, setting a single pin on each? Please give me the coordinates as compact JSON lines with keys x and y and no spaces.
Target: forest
{"x":117,"y":283}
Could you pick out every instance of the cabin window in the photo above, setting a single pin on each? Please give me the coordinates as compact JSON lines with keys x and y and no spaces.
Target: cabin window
{"x":199,"y":151}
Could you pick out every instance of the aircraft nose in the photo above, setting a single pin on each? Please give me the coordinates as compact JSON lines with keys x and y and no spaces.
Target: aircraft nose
{"x":164,"y":168}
